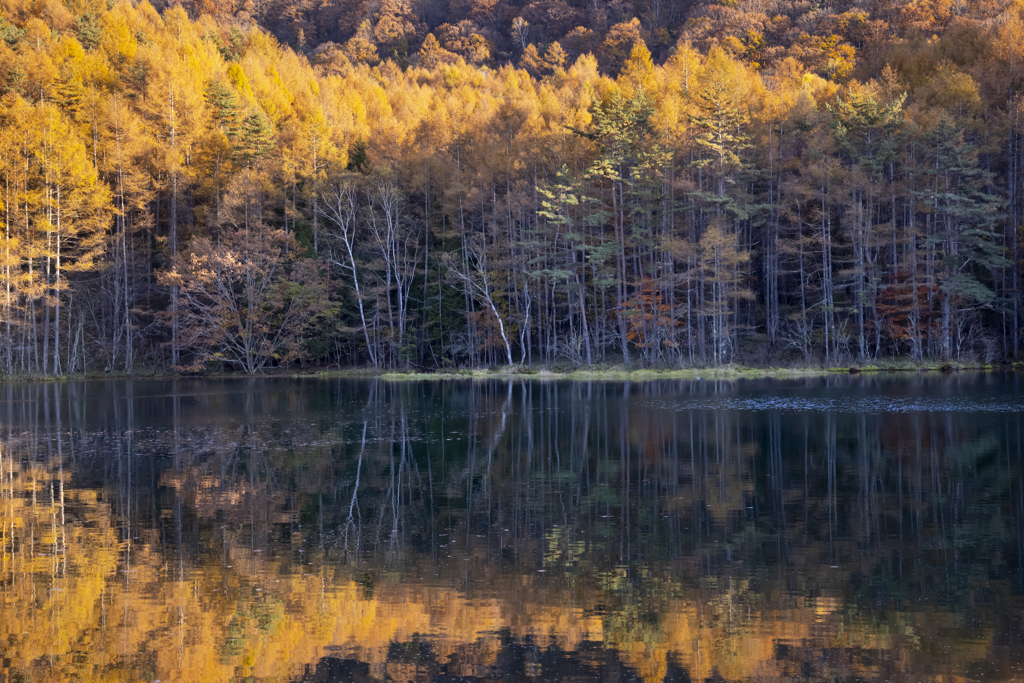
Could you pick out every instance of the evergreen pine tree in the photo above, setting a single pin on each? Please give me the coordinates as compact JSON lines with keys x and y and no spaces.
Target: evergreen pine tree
{"x":720,"y":139}
{"x":358,"y":159}
{"x":255,"y":139}
{"x":964,"y":219}
{"x":225,"y":107}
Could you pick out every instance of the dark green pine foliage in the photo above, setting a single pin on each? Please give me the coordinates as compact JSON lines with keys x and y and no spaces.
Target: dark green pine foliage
{"x":226,"y":111}
{"x":237,"y":40}
{"x":624,"y":181}
{"x":10,"y":34}
{"x":869,"y":131}
{"x":233,"y":51}
{"x":648,"y":161}
{"x":721,"y":141}
{"x":89,"y":31}
{"x":568,"y":211}
{"x":964,"y":218}
{"x":625,"y":135}
{"x":564,"y":248}
{"x":559,"y":209}
{"x":726,"y":213}
{"x":255,"y":139}
{"x":358,"y":157}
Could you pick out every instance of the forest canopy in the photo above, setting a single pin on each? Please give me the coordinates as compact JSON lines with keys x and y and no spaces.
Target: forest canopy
{"x":404,"y":183}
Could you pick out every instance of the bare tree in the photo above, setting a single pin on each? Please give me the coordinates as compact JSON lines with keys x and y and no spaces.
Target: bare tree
{"x":399,"y":250}
{"x":520,"y":29}
{"x":339,"y":206}
{"x":240,"y":300}
{"x":477,"y":281}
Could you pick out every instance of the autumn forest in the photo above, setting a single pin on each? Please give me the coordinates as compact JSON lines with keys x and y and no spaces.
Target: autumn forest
{"x":420,"y":184}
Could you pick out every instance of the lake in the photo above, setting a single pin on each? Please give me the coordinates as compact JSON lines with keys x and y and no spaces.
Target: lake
{"x":277,"y":529}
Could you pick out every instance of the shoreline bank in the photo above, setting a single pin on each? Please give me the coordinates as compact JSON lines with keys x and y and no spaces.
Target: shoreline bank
{"x":603,"y":373}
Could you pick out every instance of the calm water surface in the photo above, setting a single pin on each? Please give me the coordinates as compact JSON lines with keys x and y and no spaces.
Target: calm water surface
{"x":840,"y":528}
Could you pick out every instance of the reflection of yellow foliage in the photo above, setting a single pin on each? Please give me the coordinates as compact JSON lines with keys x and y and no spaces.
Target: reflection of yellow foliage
{"x":94,"y":608}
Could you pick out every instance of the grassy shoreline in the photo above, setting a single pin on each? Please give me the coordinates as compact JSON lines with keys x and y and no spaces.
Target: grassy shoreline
{"x":728,"y":372}
{"x":598,"y":373}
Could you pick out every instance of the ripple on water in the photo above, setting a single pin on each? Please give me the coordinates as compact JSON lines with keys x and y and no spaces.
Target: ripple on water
{"x":846,"y":404}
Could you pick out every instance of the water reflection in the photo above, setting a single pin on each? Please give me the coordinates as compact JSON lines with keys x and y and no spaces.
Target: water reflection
{"x":328,"y":530}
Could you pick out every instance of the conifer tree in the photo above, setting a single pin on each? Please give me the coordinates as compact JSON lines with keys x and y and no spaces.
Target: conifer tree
{"x":255,"y":138}
{"x":870,"y":132}
{"x":721,"y":139}
{"x":964,"y":217}
{"x":226,"y":109}
{"x":560,"y":208}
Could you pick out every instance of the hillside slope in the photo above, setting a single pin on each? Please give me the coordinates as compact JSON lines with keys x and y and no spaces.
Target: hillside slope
{"x":429,"y":185}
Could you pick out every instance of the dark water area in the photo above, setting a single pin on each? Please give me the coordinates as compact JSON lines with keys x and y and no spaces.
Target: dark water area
{"x":866,"y":528}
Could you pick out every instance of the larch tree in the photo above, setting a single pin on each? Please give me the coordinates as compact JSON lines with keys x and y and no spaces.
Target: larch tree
{"x":76,"y":216}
